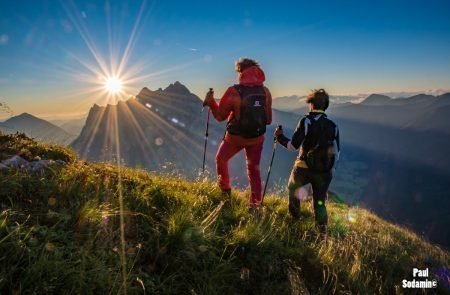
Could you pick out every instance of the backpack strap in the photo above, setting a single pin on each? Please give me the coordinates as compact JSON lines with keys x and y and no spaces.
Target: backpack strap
{"x":310,"y":120}
{"x":238,"y":89}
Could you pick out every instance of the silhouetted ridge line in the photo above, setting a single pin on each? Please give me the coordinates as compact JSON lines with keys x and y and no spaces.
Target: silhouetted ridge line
{"x":177,"y":88}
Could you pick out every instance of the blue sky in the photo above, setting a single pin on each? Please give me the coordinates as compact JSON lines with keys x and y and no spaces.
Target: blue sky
{"x":347,"y":47}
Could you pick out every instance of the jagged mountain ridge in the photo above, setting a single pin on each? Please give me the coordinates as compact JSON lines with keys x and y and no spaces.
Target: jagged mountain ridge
{"x":158,"y":127}
{"x":177,"y":88}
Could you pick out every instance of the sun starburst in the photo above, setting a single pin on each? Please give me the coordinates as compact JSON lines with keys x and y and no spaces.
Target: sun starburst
{"x":113,"y":85}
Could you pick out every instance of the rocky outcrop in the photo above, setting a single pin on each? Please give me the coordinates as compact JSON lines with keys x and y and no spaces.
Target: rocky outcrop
{"x":37,"y":165}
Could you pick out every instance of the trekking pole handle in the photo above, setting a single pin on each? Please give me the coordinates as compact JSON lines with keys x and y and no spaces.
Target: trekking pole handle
{"x":275,"y":138}
{"x":210,"y":91}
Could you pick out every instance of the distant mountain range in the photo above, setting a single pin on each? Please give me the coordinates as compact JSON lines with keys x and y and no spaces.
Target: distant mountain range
{"x":420,"y":112}
{"x":295,"y":103}
{"x":37,"y":128}
{"x":420,"y":99}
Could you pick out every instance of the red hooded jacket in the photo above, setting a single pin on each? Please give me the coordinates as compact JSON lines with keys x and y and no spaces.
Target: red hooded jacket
{"x":230,"y":103}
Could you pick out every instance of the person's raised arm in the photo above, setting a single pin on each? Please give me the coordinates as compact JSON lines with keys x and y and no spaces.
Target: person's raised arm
{"x":297,"y":139}
{"x":222,"y":110}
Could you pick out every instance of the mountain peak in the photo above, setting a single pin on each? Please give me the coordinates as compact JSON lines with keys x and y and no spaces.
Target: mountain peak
{"x":145,"y":92}
{"x":376,"y":99}
{"x":37,"y":128}
{"x":24,"y":117}
{"x":177,"y":88}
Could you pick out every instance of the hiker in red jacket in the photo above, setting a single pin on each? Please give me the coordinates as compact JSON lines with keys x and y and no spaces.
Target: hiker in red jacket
{"x":248,"y":108}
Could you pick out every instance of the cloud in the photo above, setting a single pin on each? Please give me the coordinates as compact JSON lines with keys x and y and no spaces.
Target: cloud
{"x":192,"y":49}
{"x":4,"y":39}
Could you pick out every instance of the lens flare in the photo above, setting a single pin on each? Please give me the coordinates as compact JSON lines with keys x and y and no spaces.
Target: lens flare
{"x":350,"y":217}
{"x":303,"y":192}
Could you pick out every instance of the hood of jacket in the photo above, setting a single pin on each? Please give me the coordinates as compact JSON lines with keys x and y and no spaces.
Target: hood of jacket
{"x":252,"y":76}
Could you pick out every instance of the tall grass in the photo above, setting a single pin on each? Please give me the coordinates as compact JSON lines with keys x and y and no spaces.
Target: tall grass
{"x":59,"y":234}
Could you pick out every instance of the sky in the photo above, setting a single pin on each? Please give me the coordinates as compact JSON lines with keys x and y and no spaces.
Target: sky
{"x":55,"y":56}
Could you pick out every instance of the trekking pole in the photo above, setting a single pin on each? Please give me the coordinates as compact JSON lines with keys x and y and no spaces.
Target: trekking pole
{"x":206,"y":134}
{"x":275,"y":144}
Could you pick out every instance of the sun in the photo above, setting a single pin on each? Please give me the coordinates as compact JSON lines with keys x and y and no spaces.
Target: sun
{"x":113,"y":85}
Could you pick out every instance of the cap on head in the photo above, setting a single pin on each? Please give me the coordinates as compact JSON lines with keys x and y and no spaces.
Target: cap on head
{"x":319,"y":99}
{"x":244,"y":63}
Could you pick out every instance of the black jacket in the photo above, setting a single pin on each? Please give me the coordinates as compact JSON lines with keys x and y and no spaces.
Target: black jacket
{"x":307,"y":133}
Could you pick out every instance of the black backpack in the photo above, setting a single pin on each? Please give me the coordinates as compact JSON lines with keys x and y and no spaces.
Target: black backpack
{"x":253,"y":119}
{"x":319,"y":145}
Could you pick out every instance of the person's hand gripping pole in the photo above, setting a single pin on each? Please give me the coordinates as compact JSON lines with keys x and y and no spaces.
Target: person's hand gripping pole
{"x":209,"y":96}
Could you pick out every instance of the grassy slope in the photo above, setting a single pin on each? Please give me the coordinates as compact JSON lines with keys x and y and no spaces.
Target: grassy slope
{"x":59,"y":233}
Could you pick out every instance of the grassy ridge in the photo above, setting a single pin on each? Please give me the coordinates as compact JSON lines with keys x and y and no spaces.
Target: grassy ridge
{"x":60,"y":233}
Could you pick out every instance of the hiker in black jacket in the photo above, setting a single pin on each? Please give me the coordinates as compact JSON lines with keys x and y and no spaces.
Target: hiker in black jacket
{"x":318,"y":140}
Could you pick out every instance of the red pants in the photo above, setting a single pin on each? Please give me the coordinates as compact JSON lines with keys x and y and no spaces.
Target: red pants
{"x":228,"y":148}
